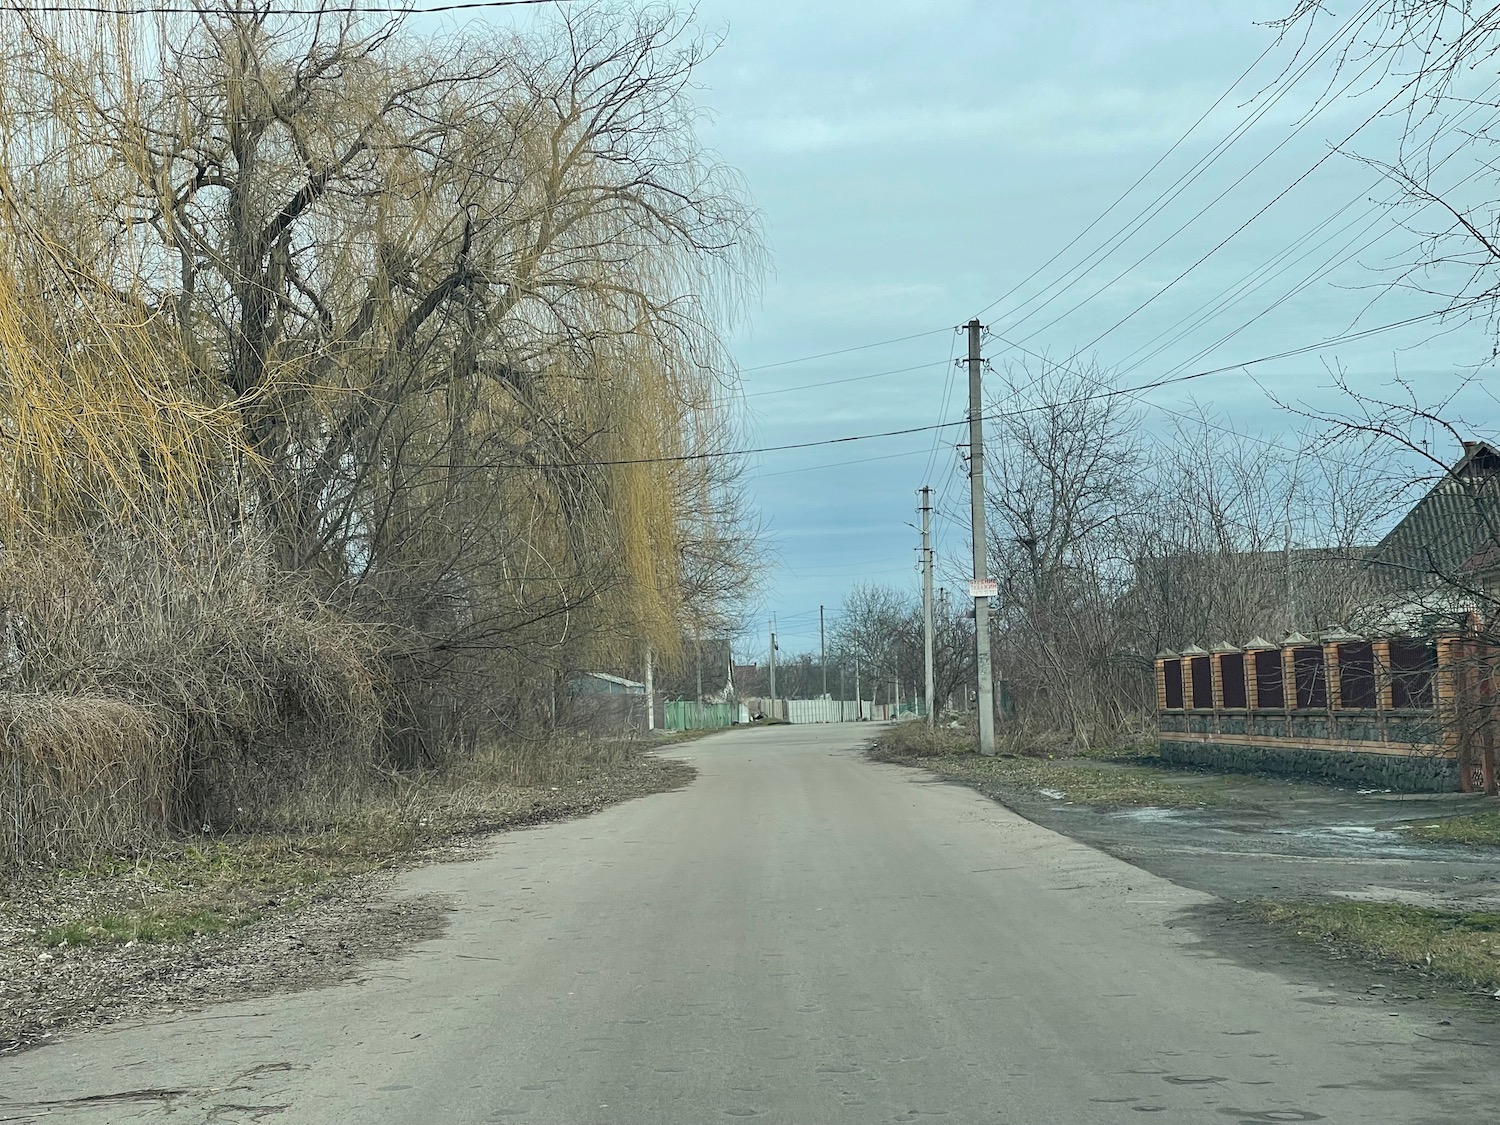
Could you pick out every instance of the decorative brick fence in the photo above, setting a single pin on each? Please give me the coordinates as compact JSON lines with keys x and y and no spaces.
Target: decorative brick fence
{"x":1413,"y":714}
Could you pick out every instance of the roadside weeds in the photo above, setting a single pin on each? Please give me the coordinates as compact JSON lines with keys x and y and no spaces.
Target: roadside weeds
{"x":1479,"y":830}
{"x":1101,"y":781}
{"x":1460,"y":949}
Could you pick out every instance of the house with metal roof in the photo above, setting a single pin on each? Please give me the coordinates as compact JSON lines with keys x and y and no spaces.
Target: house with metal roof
{"x":1441,"y":562}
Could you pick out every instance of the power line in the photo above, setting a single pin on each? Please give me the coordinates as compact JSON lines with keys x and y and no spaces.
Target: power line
{"x":716,"y":454}
{"x":1244,"y":288}
{"x":1212,"y":203}
{"x":1124,"y":195}
{"x":937,"y":437}
{"x":1134,"y":225}
{"x":321,"y":10}
{"x":841,"y":464}
{"x":837,"y":382}
{"x":842,"y":351}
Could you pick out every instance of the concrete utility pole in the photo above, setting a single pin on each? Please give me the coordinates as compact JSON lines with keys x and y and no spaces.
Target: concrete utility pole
{"x":773,"y":668}
{"x":650,"y":693}
{"x":859,"y":703}
{"x":986,"y":700}
{"x":927,"y":598}
{"x":822,"y":651}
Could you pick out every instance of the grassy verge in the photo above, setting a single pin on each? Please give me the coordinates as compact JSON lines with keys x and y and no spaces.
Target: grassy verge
{"x":1099,"y":780}
{"x":149,"y":925}
{"x":1461,"y":948}
{"x":183,"y":889}
{"x":1474,"y":829}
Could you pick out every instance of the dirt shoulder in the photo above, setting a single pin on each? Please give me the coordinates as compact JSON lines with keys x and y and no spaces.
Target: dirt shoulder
{"x":237,"y":917}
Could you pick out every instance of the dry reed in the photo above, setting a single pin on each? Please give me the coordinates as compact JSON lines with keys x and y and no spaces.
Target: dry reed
{"x":79,"y":775}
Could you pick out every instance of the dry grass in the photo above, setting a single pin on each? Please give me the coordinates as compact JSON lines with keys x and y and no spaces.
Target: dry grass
{"x":79,"y":776}
{"x":916,"y":739}
{"x":1463,"y":948}
{"x":218,"y":685}
{"x":178,"y":889}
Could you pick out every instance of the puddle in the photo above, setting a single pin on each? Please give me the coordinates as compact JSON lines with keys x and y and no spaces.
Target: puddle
{"x":1053,"y":794}
{"x":1343,"y":833}
{"x":1152,"y":815}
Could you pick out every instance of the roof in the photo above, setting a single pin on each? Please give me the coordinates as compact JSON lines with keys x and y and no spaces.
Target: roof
{"x":1455,"y":523}
{"x":620,"y":681}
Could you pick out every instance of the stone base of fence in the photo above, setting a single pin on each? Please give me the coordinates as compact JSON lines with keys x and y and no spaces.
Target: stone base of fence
{"x":1412,"y":771}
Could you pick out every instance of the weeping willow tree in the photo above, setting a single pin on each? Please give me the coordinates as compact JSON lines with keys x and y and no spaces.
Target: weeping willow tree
{"x":442,"y":321}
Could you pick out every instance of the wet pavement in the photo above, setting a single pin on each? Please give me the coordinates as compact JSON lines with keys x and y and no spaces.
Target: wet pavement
{"x":1287,"y":840}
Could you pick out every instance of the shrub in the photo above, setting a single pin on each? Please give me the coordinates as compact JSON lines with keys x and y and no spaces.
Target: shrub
{"x":260,"y":694}
{"x":79,"y":775}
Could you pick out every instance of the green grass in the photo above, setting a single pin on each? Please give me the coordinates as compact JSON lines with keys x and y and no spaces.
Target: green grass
{"x":143,"y":926}
{"x":1096,"y":780}
{"x":1462,"y":947}
{"x":1474,"y":829}
{"x":1084,"y":782}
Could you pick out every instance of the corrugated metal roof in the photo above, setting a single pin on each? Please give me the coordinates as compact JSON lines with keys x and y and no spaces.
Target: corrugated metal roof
{"x":1456,"y":521}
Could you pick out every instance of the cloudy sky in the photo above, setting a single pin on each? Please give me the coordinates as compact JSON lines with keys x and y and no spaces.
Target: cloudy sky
{"x":919,"y":162}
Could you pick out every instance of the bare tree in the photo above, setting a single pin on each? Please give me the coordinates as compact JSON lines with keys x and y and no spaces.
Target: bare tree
{"x":1062,"y":496}
{"x":882,"y":629}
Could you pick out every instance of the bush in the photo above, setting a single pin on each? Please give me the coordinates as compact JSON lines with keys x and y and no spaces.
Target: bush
{"x":260,"y":695}
{"x":917,"y":740}
{"x":79,"y":775}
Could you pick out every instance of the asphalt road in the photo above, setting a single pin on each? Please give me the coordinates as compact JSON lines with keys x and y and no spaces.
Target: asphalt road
{"x":799,"y":937}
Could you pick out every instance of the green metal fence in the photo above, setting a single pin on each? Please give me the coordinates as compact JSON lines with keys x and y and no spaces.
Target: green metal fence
{"x":688,"y":714}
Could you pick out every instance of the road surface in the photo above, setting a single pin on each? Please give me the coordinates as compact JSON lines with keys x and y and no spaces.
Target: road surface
{"x":800,"y":936}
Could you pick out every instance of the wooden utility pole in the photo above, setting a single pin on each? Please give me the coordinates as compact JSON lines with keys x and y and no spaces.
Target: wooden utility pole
{"x":986,"y":692}
{"x":927,"y":598}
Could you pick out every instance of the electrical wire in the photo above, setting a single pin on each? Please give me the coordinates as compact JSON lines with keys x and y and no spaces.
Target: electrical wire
{"x":841,"y":464}
{"x":1200,"y":213}
{"x":1136,"y":223}
{"x":1124,"y":195}
{"x":1379,"y":111}
{"x":329,"y":9}
{"x":937,"y":436}
{"x":1341,"y":257}
{"x":1113,"y":392}
{"x":838,"y":382}
{"x":842,"y":351}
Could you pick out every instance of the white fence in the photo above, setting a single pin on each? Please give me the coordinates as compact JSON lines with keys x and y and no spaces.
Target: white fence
{"x":833,"y":710}
{"x":822,"y":710}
